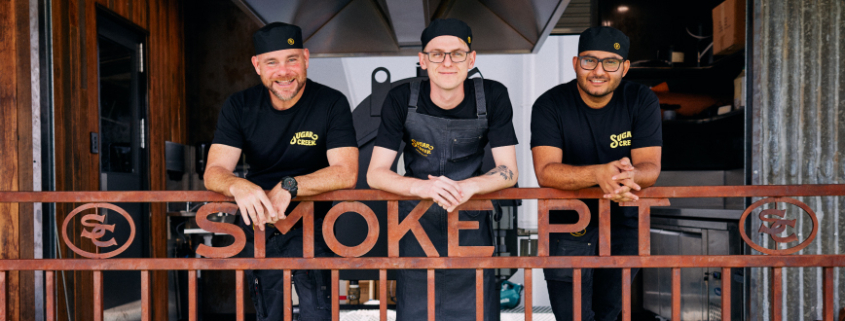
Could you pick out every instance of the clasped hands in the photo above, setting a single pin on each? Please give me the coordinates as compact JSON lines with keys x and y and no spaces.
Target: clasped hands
{"x":445,"y":192}
{"x":616,"y":179}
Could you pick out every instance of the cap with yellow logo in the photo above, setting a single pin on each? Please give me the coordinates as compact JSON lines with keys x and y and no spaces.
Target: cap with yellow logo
{"x":277,"y":36}
{"x":604,"y":39}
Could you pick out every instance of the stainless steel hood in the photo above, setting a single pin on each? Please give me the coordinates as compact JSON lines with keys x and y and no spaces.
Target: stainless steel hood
{"x":393,"y":27}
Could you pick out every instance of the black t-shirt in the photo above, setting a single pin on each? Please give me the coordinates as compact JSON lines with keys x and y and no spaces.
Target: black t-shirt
{"x":290,"y":142}
{"x":588,"y":136}
{"x":500,"y":130}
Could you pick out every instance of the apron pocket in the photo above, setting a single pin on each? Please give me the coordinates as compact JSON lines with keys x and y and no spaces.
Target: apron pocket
{"x":463,"y":148}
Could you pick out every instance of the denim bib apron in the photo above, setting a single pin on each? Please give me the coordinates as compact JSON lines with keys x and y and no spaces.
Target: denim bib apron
{"x":451,"y":148}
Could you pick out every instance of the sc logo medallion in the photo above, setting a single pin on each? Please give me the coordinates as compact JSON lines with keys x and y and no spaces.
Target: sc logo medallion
{"x":778,"y":222}
{"x":94,"y":230}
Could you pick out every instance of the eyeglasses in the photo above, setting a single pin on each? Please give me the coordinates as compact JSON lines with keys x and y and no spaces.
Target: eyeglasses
{"x":609,"y":64}
{"x":439,"y":56}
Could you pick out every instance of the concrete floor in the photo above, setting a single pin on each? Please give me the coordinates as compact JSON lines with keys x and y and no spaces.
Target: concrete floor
{"x":516,"y":314}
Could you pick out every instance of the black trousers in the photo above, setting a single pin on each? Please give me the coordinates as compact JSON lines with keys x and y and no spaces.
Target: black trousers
{"x":312,"y":286}
{"x":601,"y":289}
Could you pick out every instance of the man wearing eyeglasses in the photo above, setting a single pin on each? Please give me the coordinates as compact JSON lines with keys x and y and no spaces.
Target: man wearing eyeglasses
{"x":445,"y":122}
{"x":597,"y":130}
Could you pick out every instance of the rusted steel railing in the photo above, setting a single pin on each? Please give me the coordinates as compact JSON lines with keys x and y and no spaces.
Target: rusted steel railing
{"x":464,"y":257}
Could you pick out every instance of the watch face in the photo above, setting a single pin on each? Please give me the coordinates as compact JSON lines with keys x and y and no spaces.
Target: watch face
{"x":289,"y":183}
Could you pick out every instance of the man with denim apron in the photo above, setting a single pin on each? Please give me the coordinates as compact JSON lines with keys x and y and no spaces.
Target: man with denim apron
{"x":298,"y":139}
{"x":445,"y":122}
{"x":596,"y":130}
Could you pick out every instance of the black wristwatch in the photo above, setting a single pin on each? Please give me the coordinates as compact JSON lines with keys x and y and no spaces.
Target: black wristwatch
{"x":289,"y":184}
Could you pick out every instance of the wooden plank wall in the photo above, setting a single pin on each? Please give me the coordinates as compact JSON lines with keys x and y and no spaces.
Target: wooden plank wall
{"x":76,"y":115}
{"x":16,"y":220}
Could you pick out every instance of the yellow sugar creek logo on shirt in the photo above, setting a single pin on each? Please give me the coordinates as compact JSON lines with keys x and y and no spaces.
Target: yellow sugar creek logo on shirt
{"x":623,"y":139}
{"x":306,"y":138}
{"x":422,"y":148}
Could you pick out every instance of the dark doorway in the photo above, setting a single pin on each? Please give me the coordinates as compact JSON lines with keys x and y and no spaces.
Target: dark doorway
{"x":123,"y":148}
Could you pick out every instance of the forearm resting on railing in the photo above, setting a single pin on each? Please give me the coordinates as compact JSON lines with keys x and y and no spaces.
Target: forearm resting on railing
{"x":567,"y":177}
{"x":342,"y":173}
{"x":221,"y":180}
{"x":387,"y":180}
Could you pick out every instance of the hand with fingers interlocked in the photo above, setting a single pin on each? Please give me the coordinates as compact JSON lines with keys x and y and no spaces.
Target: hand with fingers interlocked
{"x":616,"y":179}
{"x":447,"y":193}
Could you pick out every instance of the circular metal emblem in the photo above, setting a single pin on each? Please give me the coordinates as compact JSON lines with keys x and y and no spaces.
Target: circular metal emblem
{"x":98,"y":230}
{"x":778,"y":223}
{"x":372,"y":229}
{"x":616,"y":46}
{"x":290,"y":41}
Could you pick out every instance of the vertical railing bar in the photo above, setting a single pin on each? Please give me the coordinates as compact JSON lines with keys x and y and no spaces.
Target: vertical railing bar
{"x":529,"y":297}
{"x":542,"y":227}
{"x":430,"y":295}
{"x":382,"y":302}
{"x":98,"y":295}
{"x":676,"y":293}
{"x":259,"y":243}
{"x":192,"y":295}
{"x":239,"y":295}
{"x":645,"y":231}
{"x":576,"y":294}
{"x":626,"y":294}
{"x":828,"y":293}
{"x":145,"y":295}
{"x":51,"y":295}
{"x":777,"y":284}
{"x":604,"y":227}
{"x":335,"y":299}
{"x":479,"y":295}
{"x":726,"y":293}
{"x":3,"y":295}
{"x":286,"y":293}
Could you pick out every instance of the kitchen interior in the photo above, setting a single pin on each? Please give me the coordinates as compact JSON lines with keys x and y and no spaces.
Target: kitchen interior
{"x":692,"y":55}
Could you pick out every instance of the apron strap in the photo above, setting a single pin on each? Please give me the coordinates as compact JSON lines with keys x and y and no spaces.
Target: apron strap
{"x":480,"y":102}
{"x":415,"y":96}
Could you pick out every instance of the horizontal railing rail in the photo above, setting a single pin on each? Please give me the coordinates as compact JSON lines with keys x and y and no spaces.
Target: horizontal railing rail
{"x":370,"y":263}
{"x":477,"y":258}
{"x":374,"y":195}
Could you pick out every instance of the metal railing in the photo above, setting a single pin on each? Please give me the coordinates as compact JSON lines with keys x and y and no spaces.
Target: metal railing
{"x":464,"y":257}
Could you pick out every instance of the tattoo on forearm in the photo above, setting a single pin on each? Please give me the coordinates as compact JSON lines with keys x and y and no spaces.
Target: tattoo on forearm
{"x":503,"y":171}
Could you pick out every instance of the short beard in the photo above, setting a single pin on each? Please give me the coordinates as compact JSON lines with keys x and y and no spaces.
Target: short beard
{"x":282,"y":97}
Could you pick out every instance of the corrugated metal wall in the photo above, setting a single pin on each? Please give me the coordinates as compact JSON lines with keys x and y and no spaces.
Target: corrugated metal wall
{"x":798,"y":135}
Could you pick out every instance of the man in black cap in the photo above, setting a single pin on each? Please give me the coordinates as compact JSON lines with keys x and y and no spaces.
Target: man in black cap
{"x":596,"y":130}
{"x":445,"y":122}
{"x":298,"y":139}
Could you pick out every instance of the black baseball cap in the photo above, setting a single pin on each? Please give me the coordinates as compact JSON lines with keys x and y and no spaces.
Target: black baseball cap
{"x":447,"y":27}
{"x":277,"y":36}
{"x":604,"y":39}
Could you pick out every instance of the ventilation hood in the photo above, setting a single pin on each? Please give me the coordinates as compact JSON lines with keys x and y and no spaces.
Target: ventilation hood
{"x":393,"y":27}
